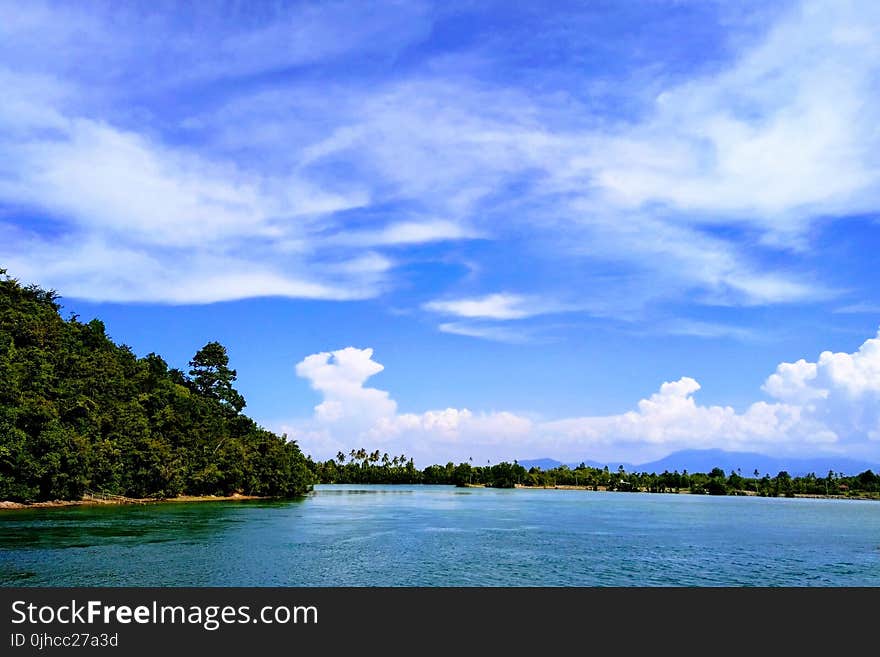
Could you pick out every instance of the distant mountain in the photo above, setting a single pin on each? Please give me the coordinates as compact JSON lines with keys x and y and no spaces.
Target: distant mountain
{"x":703,"y":460}
{"x":544,"y":464}
{"x":549,"y":464}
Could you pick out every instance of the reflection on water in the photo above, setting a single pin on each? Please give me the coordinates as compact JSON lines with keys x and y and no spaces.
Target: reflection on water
{"x":439,"y":535}
{"x":78,"y":527}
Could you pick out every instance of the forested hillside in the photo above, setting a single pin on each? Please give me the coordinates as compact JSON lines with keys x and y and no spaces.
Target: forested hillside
{"x":79,"y":412}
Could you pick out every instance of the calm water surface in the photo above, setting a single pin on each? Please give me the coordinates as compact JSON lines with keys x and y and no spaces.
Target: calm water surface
{"x":439,"y":535}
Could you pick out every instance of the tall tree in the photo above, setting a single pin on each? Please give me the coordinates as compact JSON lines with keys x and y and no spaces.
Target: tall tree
{"x":213,"y":378}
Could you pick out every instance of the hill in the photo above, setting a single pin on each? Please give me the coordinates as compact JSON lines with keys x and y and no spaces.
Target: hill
{"x":79,"y":412}
{"x":704,"y":460}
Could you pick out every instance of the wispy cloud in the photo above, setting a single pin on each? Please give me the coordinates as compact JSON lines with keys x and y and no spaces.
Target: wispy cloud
{"x":700,"y":329}
{"x":487,"y":332}
{"x":858,"y":309}
{"x":405,"y":233}
{"x":492,"y":306}
{"x":705,"y":193}
{"x":139,"y":43}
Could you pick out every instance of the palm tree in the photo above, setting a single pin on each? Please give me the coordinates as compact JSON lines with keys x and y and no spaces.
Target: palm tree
{"x":340,"y":456}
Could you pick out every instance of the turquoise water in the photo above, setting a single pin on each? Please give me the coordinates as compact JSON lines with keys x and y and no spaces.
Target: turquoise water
{"x":439,"y":535}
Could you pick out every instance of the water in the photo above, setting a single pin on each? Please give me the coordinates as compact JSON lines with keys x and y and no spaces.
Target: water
{"x":439,"y":535}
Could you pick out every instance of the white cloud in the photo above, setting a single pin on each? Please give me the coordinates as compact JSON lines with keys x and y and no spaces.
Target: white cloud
{"x":770,"y":142}
{"x":841,"y":390}
{"x":671,"y":261}
{"x":858,"y":308}
{"x":492,"y":306}
{"x":405,"y":233}
{"x":195,"y":44}
{"x":101,"y":270}
{"x":702,"y":329}
{"x":351,"y":412}
{"x":775,"y":140}
{"x":854,"y":376}
{"x":794,"y":382}
{"x":766,"y":141}
{"x":671,"y":419}
{"x":167,"y":219}
{"x":133,"y":220}
{"x":339,"y":376}
{"x":486,"y":332}
{"x":113,"y":181}
{"x":830,"y":406}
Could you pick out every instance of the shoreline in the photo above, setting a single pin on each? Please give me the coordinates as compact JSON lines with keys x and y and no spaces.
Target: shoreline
{"x":6,"y":505}
{"x":685,"y":491}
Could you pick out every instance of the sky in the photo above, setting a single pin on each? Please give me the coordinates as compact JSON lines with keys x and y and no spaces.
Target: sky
{"x":456,"y":230}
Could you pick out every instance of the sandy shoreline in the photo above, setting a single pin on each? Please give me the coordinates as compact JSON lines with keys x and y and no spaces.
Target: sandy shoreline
{"x":52,"y":504}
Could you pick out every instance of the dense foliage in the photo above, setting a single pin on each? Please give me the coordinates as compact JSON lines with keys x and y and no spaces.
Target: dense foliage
{"x":79,"y":412}
{"x":363,"y":467}
{"x":716,"y":482}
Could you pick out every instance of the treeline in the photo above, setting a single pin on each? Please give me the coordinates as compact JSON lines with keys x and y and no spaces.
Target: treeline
{"x":79,"y":412}
{"x":715,"y":482}
{"x":363,"y":467}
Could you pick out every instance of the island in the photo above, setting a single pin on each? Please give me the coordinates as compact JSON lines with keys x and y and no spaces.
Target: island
{"x":84,"y":419}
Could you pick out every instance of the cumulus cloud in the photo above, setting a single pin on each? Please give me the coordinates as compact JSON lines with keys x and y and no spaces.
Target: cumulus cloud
{"x":671,"y":419}
{"x":827,"y":406}
{"x":854,"y":376}
{"x":794,"y":382}
{"x":840,"y":389}
{"x":339,"y":376}
{"x":350,"y":411}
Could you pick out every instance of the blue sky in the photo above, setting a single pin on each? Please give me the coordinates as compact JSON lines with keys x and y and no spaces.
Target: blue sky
{"x":502,"y":230}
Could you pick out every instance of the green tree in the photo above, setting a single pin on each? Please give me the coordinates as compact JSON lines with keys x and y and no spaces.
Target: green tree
{"x":79,"y":412}
{"x":213,"y":378}
{"x":716,"y":482}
